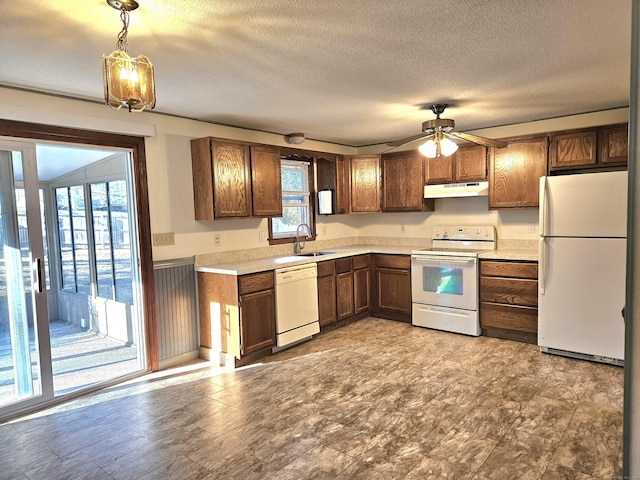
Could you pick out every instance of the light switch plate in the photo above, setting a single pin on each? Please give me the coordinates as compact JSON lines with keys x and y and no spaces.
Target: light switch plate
{"x":163,"y":239}
{"x":263,"y":236}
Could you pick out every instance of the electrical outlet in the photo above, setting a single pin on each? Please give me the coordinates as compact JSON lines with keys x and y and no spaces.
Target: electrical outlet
{"x":163,"y":239}
{"x":216,"y":239}
{"x":402,"y":229}
{"x":532,"y":228}
{"x":263,"y":236}
{"x":323,"y":229}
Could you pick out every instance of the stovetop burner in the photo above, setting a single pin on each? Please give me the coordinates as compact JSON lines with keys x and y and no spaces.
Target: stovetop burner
{"x":461,"y":241}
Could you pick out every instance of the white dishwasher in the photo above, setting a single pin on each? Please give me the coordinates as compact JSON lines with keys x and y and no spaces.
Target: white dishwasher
{"x":296,"y":304}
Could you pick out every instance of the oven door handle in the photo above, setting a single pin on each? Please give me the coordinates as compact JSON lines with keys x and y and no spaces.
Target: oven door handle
{"x":425,"y":259}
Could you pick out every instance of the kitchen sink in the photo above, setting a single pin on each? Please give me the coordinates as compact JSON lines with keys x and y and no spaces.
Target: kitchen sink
{"x":314,"y":254}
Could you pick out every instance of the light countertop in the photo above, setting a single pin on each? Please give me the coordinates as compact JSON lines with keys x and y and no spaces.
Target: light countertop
{"x":244,"y":267}
{"x":510,"y":254}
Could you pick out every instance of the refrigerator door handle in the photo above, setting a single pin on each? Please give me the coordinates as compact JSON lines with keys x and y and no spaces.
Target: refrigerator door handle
{"x":541,"y":264}
{"x":543,"y":206}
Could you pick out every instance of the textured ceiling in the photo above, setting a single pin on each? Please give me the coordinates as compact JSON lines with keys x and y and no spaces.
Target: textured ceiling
{"x":353,"y":72}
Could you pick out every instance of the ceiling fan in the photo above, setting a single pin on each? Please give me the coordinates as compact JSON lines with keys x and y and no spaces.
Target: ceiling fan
{"x":440,"y":134}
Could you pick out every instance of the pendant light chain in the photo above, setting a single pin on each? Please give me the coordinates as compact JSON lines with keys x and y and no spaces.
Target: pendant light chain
{"x":121,"y":44}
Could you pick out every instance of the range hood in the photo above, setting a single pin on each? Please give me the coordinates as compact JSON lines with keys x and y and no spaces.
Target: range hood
{"x":470,"y":189}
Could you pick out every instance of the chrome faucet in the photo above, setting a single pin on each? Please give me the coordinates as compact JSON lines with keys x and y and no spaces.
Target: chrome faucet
{"x":297,"y":248}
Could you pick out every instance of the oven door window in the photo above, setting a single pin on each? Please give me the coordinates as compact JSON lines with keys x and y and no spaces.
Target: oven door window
{"x":443,"y":280}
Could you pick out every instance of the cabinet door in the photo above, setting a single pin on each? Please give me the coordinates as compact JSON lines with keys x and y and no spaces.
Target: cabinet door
{"x":614,"y":145}
{"x":231,"y":179}
{"x":470,"y":164}
{"x":573,"y":150}
{"x":515,"y":171}
{"x":361,"y":290}
{"x":393,"y":290}
{"x":343,"y":185}
{"x":365,"y":184}
{"x":257,"y":321}
{"x":266,"y":181}
{"x":344,"y":289}
{"x":438,"y":170}
{"x":402,"y":187}
{"x":327,"y":300}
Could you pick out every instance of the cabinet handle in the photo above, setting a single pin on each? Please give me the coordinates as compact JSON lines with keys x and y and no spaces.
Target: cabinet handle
{"x":541,"y":264}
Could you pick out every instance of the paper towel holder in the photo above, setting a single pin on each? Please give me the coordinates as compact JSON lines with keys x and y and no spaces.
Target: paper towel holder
{"x":325,"y":202}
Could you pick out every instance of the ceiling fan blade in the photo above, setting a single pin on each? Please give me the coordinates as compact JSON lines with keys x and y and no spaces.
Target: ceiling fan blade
{"x":487,"y":142}
{"x":412,"y":138}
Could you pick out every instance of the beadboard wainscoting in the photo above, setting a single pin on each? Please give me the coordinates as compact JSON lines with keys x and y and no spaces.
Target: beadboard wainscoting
{"x":176,"y":310}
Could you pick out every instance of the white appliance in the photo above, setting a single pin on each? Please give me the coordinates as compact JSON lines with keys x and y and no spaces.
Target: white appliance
{"x":296,"y":304}
{"x":444,"y":279}
{"x":582,"y":265}
{"x":469,"y":189}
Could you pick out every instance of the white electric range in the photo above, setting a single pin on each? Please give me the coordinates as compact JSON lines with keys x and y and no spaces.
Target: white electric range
{"x":444,"y":278}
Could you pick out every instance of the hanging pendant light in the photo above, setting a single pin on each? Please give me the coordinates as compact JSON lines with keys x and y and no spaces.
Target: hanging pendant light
{"x":128,"y":82}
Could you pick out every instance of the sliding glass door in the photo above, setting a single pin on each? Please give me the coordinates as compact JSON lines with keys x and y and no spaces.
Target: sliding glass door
{"x":25,"y":362}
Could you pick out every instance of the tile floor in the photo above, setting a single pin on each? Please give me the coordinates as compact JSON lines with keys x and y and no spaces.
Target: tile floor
{"x":375,"y":399}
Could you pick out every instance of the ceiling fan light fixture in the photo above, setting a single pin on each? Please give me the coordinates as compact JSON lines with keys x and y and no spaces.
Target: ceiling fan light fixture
{"x":429,"y":149}
{"x":447,"y":147}
{"x":128,"y":82}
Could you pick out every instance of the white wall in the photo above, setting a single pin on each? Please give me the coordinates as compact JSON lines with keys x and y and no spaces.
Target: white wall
{"x":170,"y":186}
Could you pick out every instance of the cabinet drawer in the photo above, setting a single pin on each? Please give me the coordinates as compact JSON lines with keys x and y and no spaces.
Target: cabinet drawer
{"x":255,"y":282}
{"x":326,"y":268}
{"x":509,"y":317}
{"x":343,"y":265}
{"x":361,"y":261}
{"x":513,"y":291}
{"x":509,"y":269}
{"x":393,"y":261}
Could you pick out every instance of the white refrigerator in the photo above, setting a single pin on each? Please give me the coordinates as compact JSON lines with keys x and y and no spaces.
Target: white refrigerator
{"x":582,"y":264}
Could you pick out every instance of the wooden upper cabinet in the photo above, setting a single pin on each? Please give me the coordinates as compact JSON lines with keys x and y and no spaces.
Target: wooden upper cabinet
{"x":365,"y":184}
{"x":438,"y":170}
{"x":266,"y":181}
{"x":573,"y":149}
{"x":402,"y":187}
{"x":467,"y":164}
{"x":343,"y":184}
{"x":515,"y":171}
{"x":221,"y":178}
{"x":470,"y":164}
{"x":614,"y":145}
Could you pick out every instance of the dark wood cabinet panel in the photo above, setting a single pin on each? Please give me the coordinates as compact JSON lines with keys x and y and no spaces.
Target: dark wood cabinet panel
{"x":614,"y":145}
{"x":402,"y":186}
{"x":391,"y":287}
{"x":365,"y":184}
{"x":327,"y":312}
{"x":344,"y":291}
{"x":438,"y":170}
{"x":266,"y":181}
{"x":343,"y":187}
{"x":515,"y":171}
{"x":470,"y":164}
{"x":232,"y":179}
{"x":509,"y":300}
{"x":361,"y":284}
{"x":512,"y":291}
{"x":491,"y":268}
{"x":393,"y":291}
{"x":573,"y":149}
{"x":257,"y":321}
{"x":254,"y":282}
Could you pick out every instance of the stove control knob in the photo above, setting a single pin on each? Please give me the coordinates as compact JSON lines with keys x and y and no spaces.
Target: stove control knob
{"x":486,"y":233}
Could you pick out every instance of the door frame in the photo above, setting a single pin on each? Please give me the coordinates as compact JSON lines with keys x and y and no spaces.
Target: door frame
{"x":36,"y":131}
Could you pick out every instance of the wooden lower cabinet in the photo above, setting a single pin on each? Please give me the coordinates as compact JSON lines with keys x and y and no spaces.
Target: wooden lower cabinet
{"x":509,"y":300}
{"x":237,"y":315}
{"x":327,"y":310}
{"x":391,"y":287}
{"x":361,"y":284}
{"x":344,"y":288}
